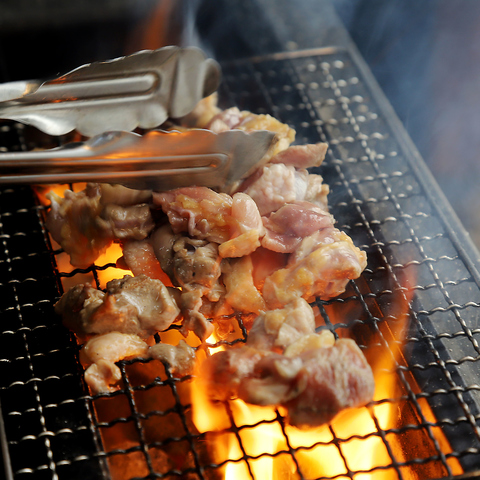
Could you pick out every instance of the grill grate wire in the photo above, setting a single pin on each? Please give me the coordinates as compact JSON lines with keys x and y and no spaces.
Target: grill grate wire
{"x":55,"y":429}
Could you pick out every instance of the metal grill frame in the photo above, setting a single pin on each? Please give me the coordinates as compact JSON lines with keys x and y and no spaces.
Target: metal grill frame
{"x":382,"y":195}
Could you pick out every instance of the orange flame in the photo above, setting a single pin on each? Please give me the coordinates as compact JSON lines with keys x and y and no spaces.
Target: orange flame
{"x":250,"y":443}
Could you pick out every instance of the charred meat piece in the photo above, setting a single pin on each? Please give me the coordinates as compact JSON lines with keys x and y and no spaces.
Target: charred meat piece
{"x":194,"y":266}
{"x":134,"y":305}
{"x":196,"y":269}
{"x":72,"y":222}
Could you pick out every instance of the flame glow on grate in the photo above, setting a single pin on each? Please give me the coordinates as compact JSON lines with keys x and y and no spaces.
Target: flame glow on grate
{"x":246,"y":441}
{"x":254,"y":442}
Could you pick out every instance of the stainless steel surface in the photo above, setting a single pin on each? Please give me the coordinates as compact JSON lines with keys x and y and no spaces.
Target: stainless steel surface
{"x":140,"y":90}
{"x":157,"y":160}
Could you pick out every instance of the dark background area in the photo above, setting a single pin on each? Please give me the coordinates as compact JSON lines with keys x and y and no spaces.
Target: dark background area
{"x":425,"y":56}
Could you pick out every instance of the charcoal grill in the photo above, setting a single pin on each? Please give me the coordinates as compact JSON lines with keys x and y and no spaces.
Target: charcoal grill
{"x":381,"y":195}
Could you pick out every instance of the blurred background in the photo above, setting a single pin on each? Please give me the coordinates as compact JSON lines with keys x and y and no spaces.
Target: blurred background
{"x":425,"y":56}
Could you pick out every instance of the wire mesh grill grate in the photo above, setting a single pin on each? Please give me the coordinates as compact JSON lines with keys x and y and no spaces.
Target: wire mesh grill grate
{"x":55,"y":429}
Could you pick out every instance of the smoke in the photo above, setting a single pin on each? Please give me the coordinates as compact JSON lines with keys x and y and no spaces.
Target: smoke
{"x":426,"y":58}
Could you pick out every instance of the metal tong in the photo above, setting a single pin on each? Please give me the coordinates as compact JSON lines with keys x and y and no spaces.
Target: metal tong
{"x":140,"y":90}
{"x":158,"y":160}
{"x":107,"y":100}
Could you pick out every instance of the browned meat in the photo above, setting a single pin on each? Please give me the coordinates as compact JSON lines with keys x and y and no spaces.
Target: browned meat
{"x":134,"y":305}
{"x":196,"y":269}
{"x":233,"y":118}
{"x":285,"y":363}
{"x":199,"y":211}
{"x":290,"y":224}
{"x":85,"y":223}
{"x":322,"y":266}
{"x":234,"y":223}
{"x":72,"y":222}
{"x":180,"y":358}
{"x":162,"y":240}
{"x":241,"y":294}
{"x":334,"y":379}
{"x":133,"y":222}
{"x":77,"y":307}
{"x":100,"y":354}
{"x":120,"y":195}
{"x":194,"y":266}
{"x":139,"y":257}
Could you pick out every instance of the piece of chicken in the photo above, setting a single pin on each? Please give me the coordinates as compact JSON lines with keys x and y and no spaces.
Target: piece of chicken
{"x":233,"y":118}
{"x":101,"y":352}
{"x":246,"y":229}
{"x":86,"y":223}
{"x":234,"y":223}
{"x":285,"y":363}
{"x":321,"y":266}
{"x":194,"y":266}
{"x":139,"y":257}
{"x":290,"y":224}
{"x":302,"y":156}
{"x":275,"y":184}
{"x":241,"y":294}
{"x":135,"y":305}
{"x":180,"y":358}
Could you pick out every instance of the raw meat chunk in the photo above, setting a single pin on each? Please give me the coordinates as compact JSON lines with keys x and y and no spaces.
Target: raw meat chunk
{"x":290,"y":224}
{"x":302,"y":156}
